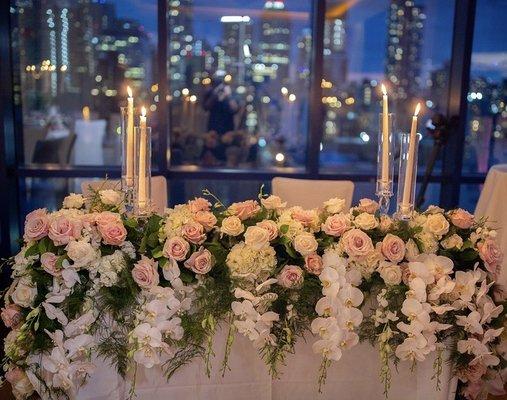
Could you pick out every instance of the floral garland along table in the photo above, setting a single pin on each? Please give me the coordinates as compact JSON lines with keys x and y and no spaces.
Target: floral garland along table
{"x":91,"y":279}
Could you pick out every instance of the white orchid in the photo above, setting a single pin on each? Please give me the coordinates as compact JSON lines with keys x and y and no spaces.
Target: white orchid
{"x":444,"y":285}
{"x":471,"y":322}
{"x":328,"y":348}
{"x":465,"y":284}
{"x":416,"y":311}
{"x":58,"y":366}
{"x":411,"y":349}
{"x":350,"y":296}
{"x":472,"y":346}
{"x":79,"y":325}
{"x":349,"y":318}
{"x":55,"y":313}
{"x":244,"y":309}
{"x":419,"y":269}
{"x":78,"y":346}
{"x":417,"y":290}
{"x":439,"y":266}
{"x":325,"y":327}
{"x":490,"y":311}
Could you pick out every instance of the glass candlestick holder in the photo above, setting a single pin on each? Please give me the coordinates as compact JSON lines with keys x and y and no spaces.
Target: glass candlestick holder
{"x":385,"y":162}
{"x":407,"y":175}
{"x":142,"y":167}
{"x":127,"y":156}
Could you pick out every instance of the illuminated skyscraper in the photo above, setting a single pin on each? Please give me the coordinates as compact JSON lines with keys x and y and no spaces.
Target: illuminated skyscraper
{"x":404,"y":46}
{"x":237,"y":45}
{"x":335,"y":56}
{"x":181,"y":42}
{"x":274,"y":47}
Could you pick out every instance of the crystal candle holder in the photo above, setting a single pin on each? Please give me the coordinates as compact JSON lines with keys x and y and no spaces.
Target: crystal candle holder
{"x":127,"y":157}
{"x":142,"y":176}
{"x":407,"y":176}
{"x":385,"y":162}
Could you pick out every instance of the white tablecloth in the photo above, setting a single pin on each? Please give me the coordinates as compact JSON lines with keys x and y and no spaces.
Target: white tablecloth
{"x":354,"y":377}
{"x":492,"y":204}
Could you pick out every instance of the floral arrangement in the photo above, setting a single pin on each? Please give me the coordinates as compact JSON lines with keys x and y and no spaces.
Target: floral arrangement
{"x":91,"y":279}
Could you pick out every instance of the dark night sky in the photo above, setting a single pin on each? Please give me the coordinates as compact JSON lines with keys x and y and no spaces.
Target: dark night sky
{"x":366,"y":29}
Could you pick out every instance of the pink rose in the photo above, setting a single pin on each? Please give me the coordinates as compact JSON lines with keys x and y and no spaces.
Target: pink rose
{"x":393,"y":248}
{"x":106,"y":218}
{"x":206,"y":219}
{"x":271,"y":227}
{"x":193,"y":232}
{"x":48,"y":261}
{"x":176,"y":248}
{"x":36,"y":225}
{"x":245,"y":209}
{"x":356,"y":243}
{"x":473,"y":390}
{"x":462,"y":218}
{"x":145,"y":273}
{"x":472,"y":373}
{"x":200,"y":262}
{"x":113,"y":233}
{"x":405,"y":274}
{"x":368,"y":206}
{"x":490,"y":253}
{"x":11,"y":316}
{"x":63,"y":229}
{"x":306,"y":217}
{"x":290,"y":277}
{"x":314,"y":264}
{"x":21,"y":386}
{"x":199,"y":204}
{"x":336,"y":224}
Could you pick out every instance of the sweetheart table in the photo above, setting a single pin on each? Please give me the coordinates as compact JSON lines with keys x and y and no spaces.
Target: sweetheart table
{"x":282,"y":299}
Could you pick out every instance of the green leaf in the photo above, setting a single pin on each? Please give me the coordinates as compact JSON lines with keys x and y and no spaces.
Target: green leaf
{"x":162,"y":262}
{"x":284,"y":229}
{"x":32,"y":250}
{"x":186,"y":277}
{"x":130,"y":222}
{"x":157,"y":252}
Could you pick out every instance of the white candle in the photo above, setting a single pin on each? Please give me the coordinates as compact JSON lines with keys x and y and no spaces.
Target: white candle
{"x":130,"y":137}
{"x":407,"y":188}
{"x":142,"y":159}
{"x":385,"y":136}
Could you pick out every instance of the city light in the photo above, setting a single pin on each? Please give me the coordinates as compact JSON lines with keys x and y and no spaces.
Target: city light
{"x":235,"y":18}
{"x":206,"y":81}
{"x":185,"y":91}
{"x":284,"y":91}
{"x":349,"y":101}
{"x":279,"y":157}
{"x":193,"y":98}
{"x":364,"y":137}
{"x":227,"y":78}
{"x":292,"y":97}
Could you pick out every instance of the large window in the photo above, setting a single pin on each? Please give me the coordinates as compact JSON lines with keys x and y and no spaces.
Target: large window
{"x":238,"y":80}
{"x":404,"y":44}
{"x":74,"y":60}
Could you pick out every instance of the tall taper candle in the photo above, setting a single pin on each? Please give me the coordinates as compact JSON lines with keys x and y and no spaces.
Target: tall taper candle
{"x":385,"y":136}
{"x":407,"y":188}
{"x":130,"y":138}
{"x":142,"y":199}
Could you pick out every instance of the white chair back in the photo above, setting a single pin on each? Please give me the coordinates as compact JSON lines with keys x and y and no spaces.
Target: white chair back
{"x":158,"y":190}
{"x":309,"y":193}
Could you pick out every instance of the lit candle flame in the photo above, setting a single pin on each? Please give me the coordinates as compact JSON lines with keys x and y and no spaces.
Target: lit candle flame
{"x":129,"y":91}
{"x":417,"y":109}
{"x":143,"y":111}
{"x":384,"y":90}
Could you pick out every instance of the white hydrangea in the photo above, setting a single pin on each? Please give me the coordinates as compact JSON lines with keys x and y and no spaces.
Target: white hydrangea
{"x":247,"y":263}
{"x":108,"y":268}
{"x":175,"y":218}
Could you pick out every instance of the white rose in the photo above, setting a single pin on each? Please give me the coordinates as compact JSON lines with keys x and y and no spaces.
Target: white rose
{"x":452,"y":242}
{"x":412,"y":251}
{"x":110,"y":197}
{"x":81,"y":252}
{"x":334,"y":205}
{"x":73,"y":200}
{"x":437,"y":224}
{"x":305,"y":243}
{"x":390,"y":273}
{"x":417,"y":220}
{"x":256,"y":237}
{"x":232,"y":226}
{"x":366,"y":221}
{"x":24,"y":294}
{"x":273,"y":203}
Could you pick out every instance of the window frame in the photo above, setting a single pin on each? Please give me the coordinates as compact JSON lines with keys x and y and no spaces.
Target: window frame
{"x":13,"y":170}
